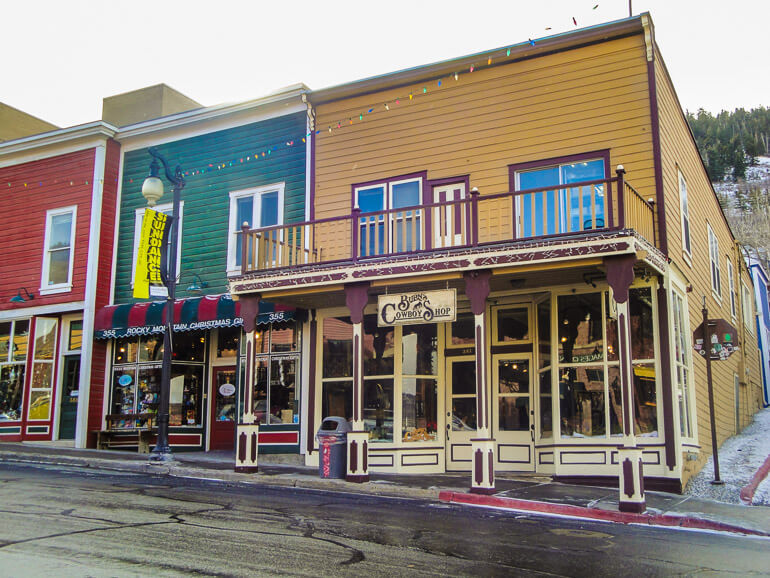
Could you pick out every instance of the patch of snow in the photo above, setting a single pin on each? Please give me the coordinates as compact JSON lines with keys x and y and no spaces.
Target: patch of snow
{"x":739,"y":458}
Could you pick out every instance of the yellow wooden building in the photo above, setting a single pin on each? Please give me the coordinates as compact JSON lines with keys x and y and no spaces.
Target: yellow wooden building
{"x":504,"y":260}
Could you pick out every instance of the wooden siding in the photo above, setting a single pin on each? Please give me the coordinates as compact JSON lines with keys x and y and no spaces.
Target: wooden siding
{"x":678,"y":152}
{"x":206,"y":196}
{"x":30,"y":189}
{"x":577,"y":101}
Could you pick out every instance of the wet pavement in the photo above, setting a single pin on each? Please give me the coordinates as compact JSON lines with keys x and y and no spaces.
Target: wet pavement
{"x":520,"y":492}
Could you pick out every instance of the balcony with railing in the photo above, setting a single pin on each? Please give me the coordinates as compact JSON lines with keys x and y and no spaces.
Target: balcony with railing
{"x":566,"y":211}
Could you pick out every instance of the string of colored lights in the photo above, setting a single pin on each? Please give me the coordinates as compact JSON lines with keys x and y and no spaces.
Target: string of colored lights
{"x":439,"y":83}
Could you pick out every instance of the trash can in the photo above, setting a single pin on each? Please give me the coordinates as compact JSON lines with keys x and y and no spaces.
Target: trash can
{"x":332,"y":439}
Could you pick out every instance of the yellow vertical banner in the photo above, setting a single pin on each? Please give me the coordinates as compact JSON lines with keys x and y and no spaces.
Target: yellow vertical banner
{"x":147,"y":277}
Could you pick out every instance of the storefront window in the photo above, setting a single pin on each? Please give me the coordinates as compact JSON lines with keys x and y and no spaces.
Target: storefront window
{"x":137,"y":380}
{"x":337,"y":399}
{"x":590,"y":388}
{"x":580,"y":328}
{"x":463,"y":330}
{"x":284,"y":338}
{"x":419,"y":347}
{"x":581,"y":391}
{"x":151,"y":348}
{"x":276,"y":393}
{"x":227,"y":341}
{"x":378,"y":347}
{"x":512,"y":324}
{"x":13,"y":355}
{"x":337,"y":347}
{"x":419,"y":409}
{"x":284,"y":402}
{"x":42,"y":368}
{"x":190,"y":346}
{"x":185,"y":397}
{"x":378,"y":409}
{"x":126,"y":350}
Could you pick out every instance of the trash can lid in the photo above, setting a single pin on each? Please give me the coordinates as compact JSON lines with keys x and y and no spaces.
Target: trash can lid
{"x":334,"y":424}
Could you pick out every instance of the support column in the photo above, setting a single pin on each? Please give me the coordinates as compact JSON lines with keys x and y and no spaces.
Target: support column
{"x":247,"y":430}
{"x":358,"y":440}
{"x":620,"y":275}
{"x":482,"y":446}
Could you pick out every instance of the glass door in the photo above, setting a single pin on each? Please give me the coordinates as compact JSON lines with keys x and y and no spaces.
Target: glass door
{"x":69,"y":397}
{"x":513,"y":413}
{"x":460,"y":411}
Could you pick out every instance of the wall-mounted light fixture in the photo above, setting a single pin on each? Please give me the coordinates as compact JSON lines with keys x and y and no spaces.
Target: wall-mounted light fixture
{"x":19,"y":299}
{"x":198,"y":284}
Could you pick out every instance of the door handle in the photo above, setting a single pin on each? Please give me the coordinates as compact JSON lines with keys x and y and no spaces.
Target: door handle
{"x":532,"y":432}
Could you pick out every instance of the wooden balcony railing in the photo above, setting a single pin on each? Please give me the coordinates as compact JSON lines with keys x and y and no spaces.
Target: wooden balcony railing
{"x":598,"y":205}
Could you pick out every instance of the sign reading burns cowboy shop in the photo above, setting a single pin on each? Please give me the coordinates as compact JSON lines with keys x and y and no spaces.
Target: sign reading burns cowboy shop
{"x":415,"y":308}
{"x":152,"y":243}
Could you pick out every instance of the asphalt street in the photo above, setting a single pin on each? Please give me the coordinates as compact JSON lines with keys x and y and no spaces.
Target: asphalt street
{"x":83,"y":522}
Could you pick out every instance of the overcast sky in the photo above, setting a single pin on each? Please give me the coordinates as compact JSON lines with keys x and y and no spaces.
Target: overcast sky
{"x":59,"y":58}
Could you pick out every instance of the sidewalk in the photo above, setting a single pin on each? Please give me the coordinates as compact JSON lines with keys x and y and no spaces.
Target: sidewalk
{"x":525,"y":493}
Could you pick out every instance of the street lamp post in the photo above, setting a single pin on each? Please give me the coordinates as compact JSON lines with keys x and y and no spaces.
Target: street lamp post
{"x":152,"y":190}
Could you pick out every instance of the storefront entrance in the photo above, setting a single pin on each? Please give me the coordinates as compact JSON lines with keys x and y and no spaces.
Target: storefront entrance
{"x":460,"y":411}
{"x":69,"y":397}
{"x":223,"y":409}
{"x":513,"y":413}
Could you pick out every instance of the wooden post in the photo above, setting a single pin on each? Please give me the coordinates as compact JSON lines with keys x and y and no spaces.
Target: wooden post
{"x":356,"y":297}
{"x":247,"y":430}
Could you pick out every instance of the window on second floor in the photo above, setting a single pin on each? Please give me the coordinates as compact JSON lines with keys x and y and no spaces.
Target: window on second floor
{"x":258,"y":207}
{"x":731,"y":284}
{"x":166,"y":209}
{"x":561,"y":210}
{"x":404,"y":229}
{"x":685,"y":210}
{"x":59,"y":245}
{"x":716,"y":274}
{"x":748,"y":307}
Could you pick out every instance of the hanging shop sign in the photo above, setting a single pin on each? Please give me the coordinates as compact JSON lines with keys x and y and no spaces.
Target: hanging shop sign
{"x":722,"y":338}
{"x":415,"y":308}
{"x":152,"y":242}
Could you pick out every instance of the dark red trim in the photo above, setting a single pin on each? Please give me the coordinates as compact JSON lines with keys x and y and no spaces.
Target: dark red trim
{"x":478,"y":467}
{"x":625,"y":372}
{"x":656,"y":156}
{"x":554,"y":161}
{"x":632,"y":507}
{"x":628,"y":478}
{"x":353,"y":457}
{"x":357,"y":479}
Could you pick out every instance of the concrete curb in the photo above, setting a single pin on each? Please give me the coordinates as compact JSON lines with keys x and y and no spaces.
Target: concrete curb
{"x":748,"y":491}
{"x":176,"y":469}
{"x":548,"y":508}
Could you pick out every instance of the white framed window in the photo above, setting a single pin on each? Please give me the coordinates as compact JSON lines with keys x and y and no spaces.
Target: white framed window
{"x":403,"y":226}
{"x":748,"y":307}
{"x":58,"y":249}
{"x":716,"y":274}
{"x":731,"y":283}
{"x":685,"y":212}
{"x":563,"y":209}
{"x":166,"y":209}
{"x":682,"y":371}
{"x":258,"y":207}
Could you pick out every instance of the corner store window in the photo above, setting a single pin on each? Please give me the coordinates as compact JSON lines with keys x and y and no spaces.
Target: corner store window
{"x":137,"y":376}
{"x":13,"y":357}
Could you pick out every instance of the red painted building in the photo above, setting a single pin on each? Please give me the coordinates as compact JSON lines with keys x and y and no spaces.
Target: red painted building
{"x":58,"y":206}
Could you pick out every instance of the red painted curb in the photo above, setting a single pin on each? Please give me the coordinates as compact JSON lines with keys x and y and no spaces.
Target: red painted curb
{"x":593,"y":514}
{"x":747,"y":491}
